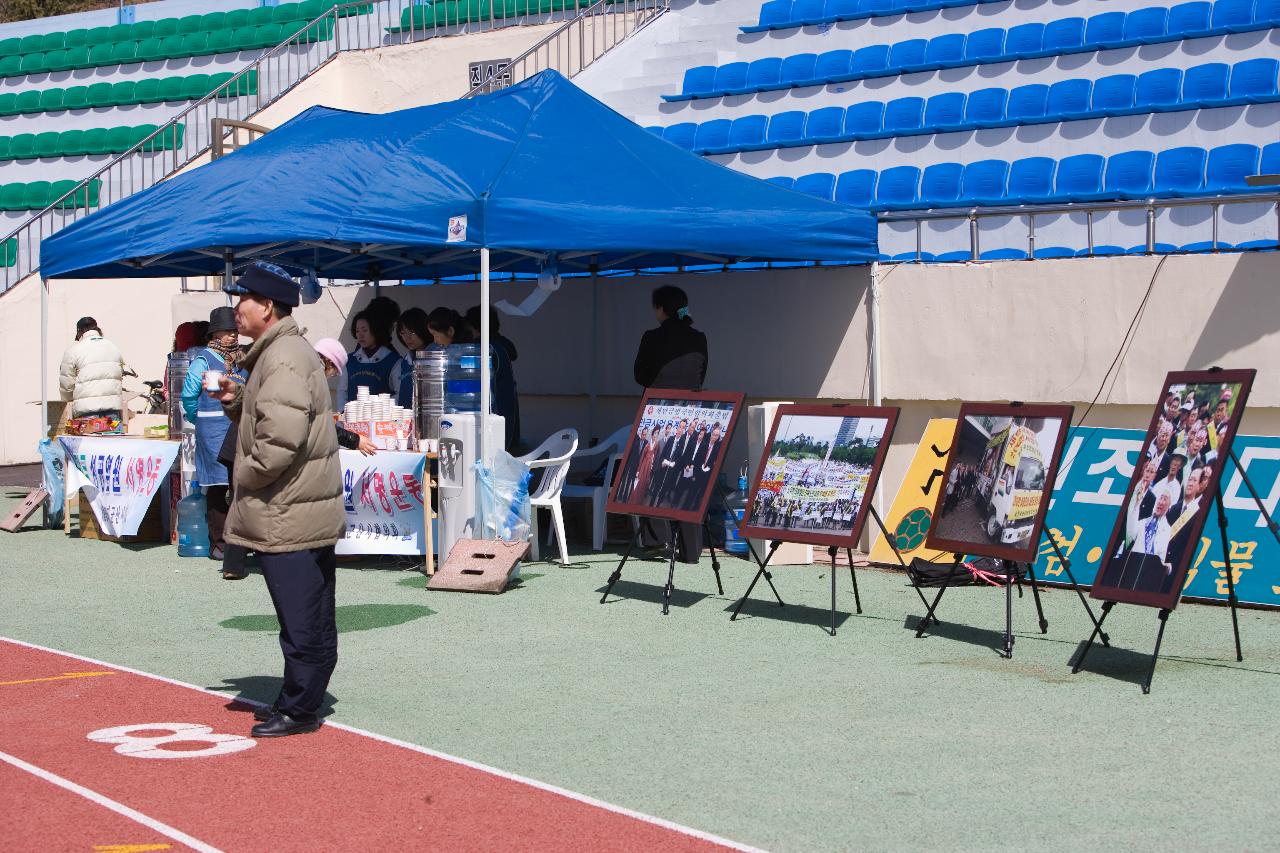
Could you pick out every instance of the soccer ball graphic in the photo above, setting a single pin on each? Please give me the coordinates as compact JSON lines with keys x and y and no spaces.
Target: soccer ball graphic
{"x":910,"y":532}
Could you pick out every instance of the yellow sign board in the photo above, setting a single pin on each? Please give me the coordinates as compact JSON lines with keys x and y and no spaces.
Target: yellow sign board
{"x":911,"y":514}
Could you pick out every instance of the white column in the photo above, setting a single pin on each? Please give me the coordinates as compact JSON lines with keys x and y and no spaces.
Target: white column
{"x":44,"y":357}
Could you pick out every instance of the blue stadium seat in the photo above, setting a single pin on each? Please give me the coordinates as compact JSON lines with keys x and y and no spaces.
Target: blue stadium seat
{"x":907,"y":56}
{"x":833,"y":65}
{"x":870,"y":61}
{"x":681,"y":134}
{"x":867,"y":8}
{"x":984,"y":45}
{"x":1068,"y":98}
{"x":786,"y":128}
{"x":856,"y":187}
{"x":797,"y":70}
{"x":655,"y":129}
{"x":897,"y":187}
{"x":1205,"y":246}
{"x":764,"y":73}
{"x":1266,"y":13}
{"x":1157,"y":89}
{"x":1003,"y":255}
{"x":819,"y":185}
{"x":1269,"y":163}
{"x":1027,"y":104}
{"x":1114,"y":95}
{"x":944,"y":112}
{"x":1024,"y":40}
{"x":782,"y":181}
{"x":1129,"y":174}
{"x":747,"y":132}
{"x":1232,"y":16}
{"x":1253,"y":81}
{"x":1258,"y":245}
{"x":730,"y":79}
{"x":1205,"y":85}
{"x":1104,"y":31}
{"x":910,"y":258}
{"x":807,"y":11}
{"x":940,"y":185}
{"x":1054,"y":252}
{"x":903,"y":116}
{"x":712,"y":135}
{"x":984,"y":182}
{"x":959,"y":256}
{"x":945,"y":51}
{"x":842,"y":10}
{"x":1158,"y":249}
{"x":1227,"y":167}
{"x":864,"y":120}
{"x":824,"y":125}
{"x":1180,"y":171}
{"x":699,"y":81}
{"x":985,"y":107}
{"x":1189,"y":20}
{"x":1063,"y":36}
{"x":1031,"y":180}
{"x":775,"y":14}
{"x":1079,"y":178}
{"x":1102,"y":251}
{"x":1145,"y":26}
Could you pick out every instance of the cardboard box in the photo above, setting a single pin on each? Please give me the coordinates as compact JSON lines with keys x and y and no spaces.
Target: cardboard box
{"x":150,"y":530}
{"x":140,"y":424}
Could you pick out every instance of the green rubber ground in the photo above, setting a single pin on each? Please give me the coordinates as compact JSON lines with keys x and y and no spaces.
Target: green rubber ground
{"x":765,"y":730}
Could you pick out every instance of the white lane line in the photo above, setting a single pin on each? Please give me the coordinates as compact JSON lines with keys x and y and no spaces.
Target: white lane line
{"x":108,"y":803}
{"x":474,"y":765}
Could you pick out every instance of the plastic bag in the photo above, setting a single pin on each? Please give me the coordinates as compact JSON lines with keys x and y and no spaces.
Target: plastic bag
{"x":504,"y":499}
{"x":52,"y":461}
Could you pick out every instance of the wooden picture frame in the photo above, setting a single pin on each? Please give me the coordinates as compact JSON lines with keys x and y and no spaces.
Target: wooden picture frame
{"x":995,"y":482}
{"x":1127,"y":574}
{"x":684,"y":498}
{"x":751,"y":526}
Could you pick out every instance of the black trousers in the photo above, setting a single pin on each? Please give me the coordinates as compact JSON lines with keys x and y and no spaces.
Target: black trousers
{"x":302,"y":589}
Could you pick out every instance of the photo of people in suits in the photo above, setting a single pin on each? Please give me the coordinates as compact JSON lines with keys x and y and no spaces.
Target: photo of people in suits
{"x":1174,"y":482}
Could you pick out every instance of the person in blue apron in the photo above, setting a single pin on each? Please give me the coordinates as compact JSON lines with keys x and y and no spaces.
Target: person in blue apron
{"x":412,"y":330}
{"x":222,"y":354}
{"x":373,"y":360}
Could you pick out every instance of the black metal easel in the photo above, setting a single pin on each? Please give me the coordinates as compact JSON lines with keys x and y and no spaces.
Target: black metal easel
{"x":671,"y":569}
{"x":1012,"y":574}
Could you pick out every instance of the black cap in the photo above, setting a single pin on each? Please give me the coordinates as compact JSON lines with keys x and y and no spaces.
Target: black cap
{"x":268,"y":281}
{"x":222,"y":320}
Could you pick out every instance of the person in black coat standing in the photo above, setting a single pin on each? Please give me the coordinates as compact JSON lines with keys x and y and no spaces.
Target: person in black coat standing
{"x":674,"y":355}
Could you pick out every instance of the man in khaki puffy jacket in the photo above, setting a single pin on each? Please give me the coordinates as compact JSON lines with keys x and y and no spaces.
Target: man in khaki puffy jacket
{"x":91,"y":373}
{"x":286,"y":490}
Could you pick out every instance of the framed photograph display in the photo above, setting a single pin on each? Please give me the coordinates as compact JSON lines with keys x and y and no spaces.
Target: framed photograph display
{"x":995,"y":490}
{"x":1174,"y":482}
{"x":674,"y":453}
{"x":816,"y":475}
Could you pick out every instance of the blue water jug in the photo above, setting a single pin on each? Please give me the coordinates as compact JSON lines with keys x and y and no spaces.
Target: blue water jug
{"x":735,"y":507}
{"x":193,"y":529}
{"x":462,"y":378}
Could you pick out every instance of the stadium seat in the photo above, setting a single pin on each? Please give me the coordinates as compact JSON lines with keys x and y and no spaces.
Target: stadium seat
{"x":864,"y":120}
{"x":897,"y":187}
{"x":77,"y":58}
{"x":1027,"y":104}
{"x":699,"y":81}
{"x":1113,"y":95}
{"x":51,"y":100}
{"x":5,"y":143}
{"x":764,"y":73}
{"x":730,"y":78}
{"x":832,"y":65}
{"x":1189,"y":20}
{"x":12,"y":196}
{"x":120,"y":139}
{"x":1079,"y":178}
{"x":1031,"y":180}
{"x":1158,"y":249}
{"x":1205,"y":246}
{"x":824,"y":125}
{"x":95,"y":141}
{"x":747,"y":132}
{"x":1024,"y":40}
{"x":171,"y":89}
{"x":1101,"y":251}
{"x":1145,"y":26}
{"x":1063,"y":36}
{"x":903,"y":115}
{"x":98,"y":35}
{"x":36,"y":195}
{"x":194,"y":44}
{"x":983,"y":182}
{"x":1003,"y":255}
{"x":31,"y":44}
{"x":195,"y":86}
{"x":147,"y":91}
{"x":33,"y":63}
{"x":798,"y":70}
{"x":1129,"y":175}
{"x":11,"y":47}
{"x":944,"y":51}
{"x":940,"y":184}
{"x":870,"y":61}
{"x":22,"y":146}
{"x":244,"y":38}
{"x":984,"y":45}
{"x":1266,"y":13}
{"x":1227,"y":167}
{"x":1253,"y":81}
{"x":29,"y":101}
{"x":210,"y":22}
{"x":944,"y":112}
{"x":284,"y":13}
{"x":1054,"y":252}
{"x":806,"y":11}
{"x":782,"y":181}
{"x":786,"y":128}
{"x":75,"y":97}
{"x":48,"y":144}
{"x":1104,"y":31}
{"x":124,"y":52}
{"x":911,"y":258}
{"x":775,"y":14}
{"x":1233,"y":16}
{"x":1205,"y":85}
{"x":72,"y":143}
{"x":163,"y":28}
{"x":1180,"y":171}
{"x":236,"y":18}
{"x":711,"y":135}
{"x":1067,"y":98}
{"x":856,"y":187}
{"x":8,"y":104}
{"x":10,"y":66}
{"x":260,"y":16}
{"x":818,"y":185}
{"x":100,"y":54}
{"x":985,"y":107}
{"x":149,"y":50}
{"x":56,"y":60}
{"x":1269,"y":163}
{"x":907,"y":56}
{"x":1157,"y":89}
{"x":958,"y":256}
{"x":219,"y":42}
{"x":681,"y":134}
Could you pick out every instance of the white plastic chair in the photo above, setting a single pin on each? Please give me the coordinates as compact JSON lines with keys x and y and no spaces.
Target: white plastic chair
{"x":553,"y":457}
{"x":588,"y":460}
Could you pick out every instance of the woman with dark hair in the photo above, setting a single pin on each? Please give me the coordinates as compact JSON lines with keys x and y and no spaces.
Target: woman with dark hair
{"x":412,"y":331}
{"x":505,"y":400}
{"x":373,"y":360}
{"x":674,"y":355}
{"x":448,"y":327}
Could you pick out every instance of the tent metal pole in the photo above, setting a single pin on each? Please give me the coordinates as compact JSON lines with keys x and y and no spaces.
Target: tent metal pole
{"x":485,"y":378}
{"x":44,"y":357}
{"x":875,"y":395}
{"x":228,"y":274}
{"x":595,"y":351}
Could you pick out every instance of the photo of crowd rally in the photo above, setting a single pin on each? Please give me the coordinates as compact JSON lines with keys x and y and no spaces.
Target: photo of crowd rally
{"x":996,"y":486}
{"x":1174,"y":482}
{"x":674,"y":456}
{"x":816,"y":475}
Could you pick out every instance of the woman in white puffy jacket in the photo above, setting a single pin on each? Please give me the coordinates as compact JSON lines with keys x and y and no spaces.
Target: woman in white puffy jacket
{"x":91,"y":373}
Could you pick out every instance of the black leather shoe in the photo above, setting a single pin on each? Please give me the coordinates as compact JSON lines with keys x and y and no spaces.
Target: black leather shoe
{"x":265,"y":712}
{"x":282,"y":724}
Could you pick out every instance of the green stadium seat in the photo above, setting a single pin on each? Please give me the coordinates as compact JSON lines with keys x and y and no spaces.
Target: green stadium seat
{"x":10,"y":66}
{"x":95,"y":141}
{"x":5,"y":142}
{"x":270,"y":35}
{"x":11,"y":47}
{"x":142,"y":30}
{"x":171,"y":47}
{"x":86,"y":196}
{"x":124,"y":92}
{"x":51,"y":100}
{"x":124,"y":52}
{"x":53,"y":41}
{"x":78,"y":57}
{"x":320,"y":31}
{"x":286,"y":12}
{"x":72,"y":143}
{"x":9,"y":252}
{"x":58,"y":189}
{"x":28,"y":102}
{"x":213,"y":21}
{"x":76,"y":38}
{"x":309,"y":10}
{"x":76,"y":97}
{"x":244,"y":38}
{"x":120,"y":32}
{"x":196,"y":44}
{"x":98,"y":35}
{"x":259,"y":16}
{"x":171,"y":89}
{"x":216,"y":80}
{"x":100,"y":95}
{"x":48,"y":144}
{"x":36,"y":195}
{"x":33,"y":63}
{"x":120,"y":139}
{"x":56,"y":60}
{"x":165,"y":27}
{"x":9,"y":104}
{"x":22,"y":146}
{"x":350,"y":11}
{"x":149,"y":50}
{"x":173,"y":136}
{"x":219,"y":41}
{"x":141,"y":132}
{"x":11,"y":196}
{"x":32,"y":44}
{"x":236,"y":19}
{"x":195,"y":87}
{"x":147,"y":91}
{"x":189,"y":24}
{"x":100,"y":54}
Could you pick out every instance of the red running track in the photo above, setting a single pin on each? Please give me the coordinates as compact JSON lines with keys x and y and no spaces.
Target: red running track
{"x":171,"y":782}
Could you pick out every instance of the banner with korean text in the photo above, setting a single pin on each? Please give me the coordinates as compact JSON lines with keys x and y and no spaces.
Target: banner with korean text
{"x":383,"y":498}
{"x":120,"y":476}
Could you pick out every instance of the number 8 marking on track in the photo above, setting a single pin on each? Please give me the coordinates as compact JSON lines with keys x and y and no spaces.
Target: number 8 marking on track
{"x":152,"y":746}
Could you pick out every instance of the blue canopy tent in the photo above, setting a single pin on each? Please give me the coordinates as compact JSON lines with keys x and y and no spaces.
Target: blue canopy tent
{"x":537,"y":175}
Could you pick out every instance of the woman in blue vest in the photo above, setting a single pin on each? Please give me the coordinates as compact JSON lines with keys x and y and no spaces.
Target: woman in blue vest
{"x":411,"y":328}
{"x":222,"y":354}
{"x":373,"y":361}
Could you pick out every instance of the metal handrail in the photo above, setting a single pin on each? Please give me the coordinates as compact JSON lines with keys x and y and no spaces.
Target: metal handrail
{"x":278,"y":71}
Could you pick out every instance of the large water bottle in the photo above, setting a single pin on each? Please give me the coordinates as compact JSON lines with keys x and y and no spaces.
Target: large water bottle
{"x":462,"y":379}
{"x":735,"y":508}
{"x":193,"y":529}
